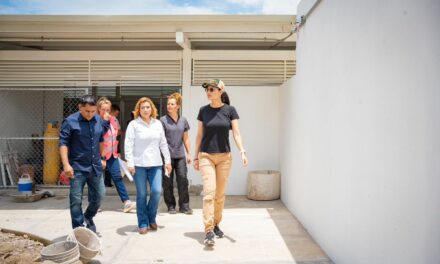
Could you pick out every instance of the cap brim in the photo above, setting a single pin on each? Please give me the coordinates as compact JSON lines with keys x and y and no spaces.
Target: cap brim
{"x":206,"y":85}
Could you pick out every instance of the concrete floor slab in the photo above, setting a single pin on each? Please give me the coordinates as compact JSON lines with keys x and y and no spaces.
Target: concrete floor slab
{"x":256,"y":232}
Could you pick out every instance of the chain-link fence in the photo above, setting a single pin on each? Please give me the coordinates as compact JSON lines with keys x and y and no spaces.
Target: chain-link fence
{"x":29,"y":132}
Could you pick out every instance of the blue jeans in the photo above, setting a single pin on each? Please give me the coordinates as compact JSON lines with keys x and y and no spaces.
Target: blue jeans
{"x":96,"y":193}
{"x":115,"y":172}
{"x":146,"y":213}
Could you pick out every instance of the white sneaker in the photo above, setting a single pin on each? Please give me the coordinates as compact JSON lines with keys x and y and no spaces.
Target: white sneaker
{"x":128,"y":206}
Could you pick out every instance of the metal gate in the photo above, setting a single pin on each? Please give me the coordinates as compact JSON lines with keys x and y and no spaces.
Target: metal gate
{"x":30,"y":119}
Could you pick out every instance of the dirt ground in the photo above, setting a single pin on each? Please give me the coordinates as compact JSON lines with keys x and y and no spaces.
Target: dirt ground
{"x":16,"y":249}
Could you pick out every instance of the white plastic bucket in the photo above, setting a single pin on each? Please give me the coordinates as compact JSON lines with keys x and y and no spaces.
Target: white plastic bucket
{"x":61,"y":252}
{"x":88,"y":242}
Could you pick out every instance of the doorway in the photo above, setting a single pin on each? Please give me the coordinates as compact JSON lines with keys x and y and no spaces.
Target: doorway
{"x":126,"y":98}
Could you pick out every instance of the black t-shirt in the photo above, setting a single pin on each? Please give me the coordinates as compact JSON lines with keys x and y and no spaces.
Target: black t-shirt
{"x":216,"y":125}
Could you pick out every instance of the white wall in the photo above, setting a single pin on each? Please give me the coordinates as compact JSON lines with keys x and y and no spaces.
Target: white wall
{"x":257,"y":107}
{"x":360,"y":155}
{"x":285,"y":143}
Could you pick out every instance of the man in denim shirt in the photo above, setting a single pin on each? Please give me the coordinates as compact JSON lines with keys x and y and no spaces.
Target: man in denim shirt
{"x":81,"y":146}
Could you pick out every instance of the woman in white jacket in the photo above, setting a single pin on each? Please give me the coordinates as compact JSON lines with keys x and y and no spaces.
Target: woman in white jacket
{"x":144,"y":142}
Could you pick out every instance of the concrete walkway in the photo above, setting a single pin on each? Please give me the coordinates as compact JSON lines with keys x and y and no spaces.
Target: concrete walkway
{"x":255,"y":232}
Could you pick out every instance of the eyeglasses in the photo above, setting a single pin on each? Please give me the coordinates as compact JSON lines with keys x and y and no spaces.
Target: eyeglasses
{"x":210,"y":89}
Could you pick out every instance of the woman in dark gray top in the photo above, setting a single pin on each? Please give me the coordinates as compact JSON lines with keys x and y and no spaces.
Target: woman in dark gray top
{"x":213,"y":154}
{"x":176,"y":131}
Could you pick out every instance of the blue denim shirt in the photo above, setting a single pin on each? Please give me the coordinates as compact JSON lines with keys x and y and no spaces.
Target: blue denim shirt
{"x":82,"y":138}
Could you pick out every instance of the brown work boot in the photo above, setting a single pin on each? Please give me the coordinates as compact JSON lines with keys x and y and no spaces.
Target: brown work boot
{"x":143,"y":231}
{"x":153,"y":226}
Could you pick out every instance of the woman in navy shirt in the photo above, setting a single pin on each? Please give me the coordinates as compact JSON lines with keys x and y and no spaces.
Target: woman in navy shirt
{"x":176,"y":131}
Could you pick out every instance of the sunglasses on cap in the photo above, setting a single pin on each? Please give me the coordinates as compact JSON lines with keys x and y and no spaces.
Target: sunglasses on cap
{"x":213,"y":83}
{"x":211,"y":89}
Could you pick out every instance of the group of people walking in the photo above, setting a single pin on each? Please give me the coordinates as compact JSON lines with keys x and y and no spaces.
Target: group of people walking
{"x":156,"y":150}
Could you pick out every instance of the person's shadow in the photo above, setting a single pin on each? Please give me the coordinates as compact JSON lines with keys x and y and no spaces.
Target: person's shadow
{"x":230,"y":239}
{"x":127,"y":229}
{"x":133,"y":229}
{"x":200,"y":236}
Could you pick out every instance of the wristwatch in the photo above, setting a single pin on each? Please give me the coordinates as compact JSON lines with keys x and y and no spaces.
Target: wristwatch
{"x":103,"y":158}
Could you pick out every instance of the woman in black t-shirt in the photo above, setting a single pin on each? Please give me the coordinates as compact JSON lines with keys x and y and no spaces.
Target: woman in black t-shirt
{"x":213,"y":154}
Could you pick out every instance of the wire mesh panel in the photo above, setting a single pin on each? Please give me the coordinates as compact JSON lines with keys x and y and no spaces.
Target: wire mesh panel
{"x":29,"y":132}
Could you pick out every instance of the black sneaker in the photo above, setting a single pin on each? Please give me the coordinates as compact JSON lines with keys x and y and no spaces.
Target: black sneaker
{"x":172,"y":210}
{"x":187,"y":211}
{"x":209,"y":239}
{"x":90,"y":224}
{"x":218,"y":232}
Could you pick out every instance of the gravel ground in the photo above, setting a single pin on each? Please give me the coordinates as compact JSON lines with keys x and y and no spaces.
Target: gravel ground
{"x":16,"y":249}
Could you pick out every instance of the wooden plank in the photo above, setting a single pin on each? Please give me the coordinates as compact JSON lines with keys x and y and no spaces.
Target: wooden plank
{"x":2,"y":168}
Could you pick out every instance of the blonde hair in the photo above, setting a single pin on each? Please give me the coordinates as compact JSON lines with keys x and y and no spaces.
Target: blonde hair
{"x":177,"y":97}
{"x":137,"y":108}
{"x":103,"y":100}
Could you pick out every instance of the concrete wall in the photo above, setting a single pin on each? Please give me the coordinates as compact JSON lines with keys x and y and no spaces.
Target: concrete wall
{"x":257,"y":107}
{"x":360,"y":155}
{"x":287,"y":135}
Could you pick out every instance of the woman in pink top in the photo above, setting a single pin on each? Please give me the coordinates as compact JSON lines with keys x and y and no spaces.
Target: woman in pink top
{"x":112,"y":155}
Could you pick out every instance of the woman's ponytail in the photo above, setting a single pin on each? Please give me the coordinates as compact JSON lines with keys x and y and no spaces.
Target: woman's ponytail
{"x":225,"y":98}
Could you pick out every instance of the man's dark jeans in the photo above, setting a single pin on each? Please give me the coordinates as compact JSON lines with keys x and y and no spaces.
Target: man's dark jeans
{"x":96,"y":192}
{"x":180,"y":170}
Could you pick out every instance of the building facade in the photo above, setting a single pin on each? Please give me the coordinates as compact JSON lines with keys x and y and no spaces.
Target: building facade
{"x":48,"y":62}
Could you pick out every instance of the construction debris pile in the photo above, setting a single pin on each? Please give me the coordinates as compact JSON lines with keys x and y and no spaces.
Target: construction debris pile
{"x":16,"y":249}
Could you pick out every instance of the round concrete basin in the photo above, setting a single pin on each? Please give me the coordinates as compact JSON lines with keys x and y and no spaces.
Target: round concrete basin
{"x":263,"y":185}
